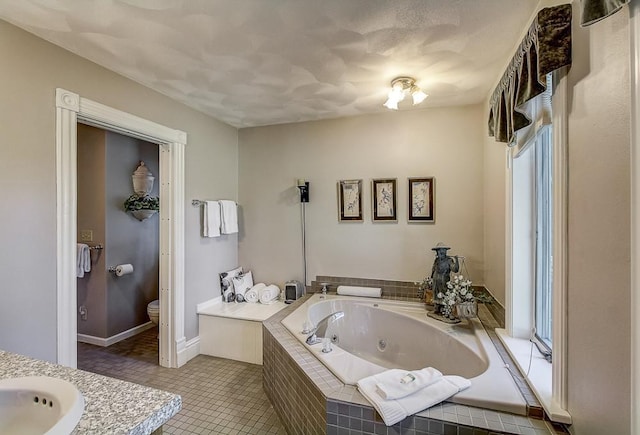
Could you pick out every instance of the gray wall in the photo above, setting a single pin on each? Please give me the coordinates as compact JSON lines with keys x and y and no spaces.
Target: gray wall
{"x":445,"y":143}
{"x":32,"y":70}
{"x":129,"y":240}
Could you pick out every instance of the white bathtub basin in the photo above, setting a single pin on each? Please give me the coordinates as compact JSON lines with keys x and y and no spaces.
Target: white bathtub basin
{"x":378,"y":334}
{"x":39,"y":405}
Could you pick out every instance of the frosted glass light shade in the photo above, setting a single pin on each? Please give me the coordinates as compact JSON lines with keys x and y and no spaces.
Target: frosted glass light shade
{"x":142,"y":180}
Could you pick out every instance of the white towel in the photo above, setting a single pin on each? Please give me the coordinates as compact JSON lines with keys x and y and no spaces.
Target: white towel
{"x":253,"y":294}
{"x":269,"y":294}
{"x":229,"y":217}
{"x":398,"y":383}
{"x":393,"y":411}
{"x":83,"y":260}
{"x":369,"y":292}
{"x":211,"y":219}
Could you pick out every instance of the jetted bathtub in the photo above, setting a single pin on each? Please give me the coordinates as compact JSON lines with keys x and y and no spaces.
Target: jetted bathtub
{"x":378,"y":334}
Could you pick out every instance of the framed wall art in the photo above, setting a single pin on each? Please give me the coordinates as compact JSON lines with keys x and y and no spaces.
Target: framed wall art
{"x":350,"y":200}
{"x":384,"y":195}
{"x":421,"y":199}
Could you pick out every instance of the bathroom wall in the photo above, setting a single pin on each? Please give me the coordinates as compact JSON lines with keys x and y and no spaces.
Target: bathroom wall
{"x":599,"y":226}
{"x":32,"y":70}
{"x":91,"y":216}
{"x":445,"y":143}
{"x":113,"y":304}
{"x":129,"y":240}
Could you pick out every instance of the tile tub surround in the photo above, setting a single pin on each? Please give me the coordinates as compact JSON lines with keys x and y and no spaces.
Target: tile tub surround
{"x":111,"y":406}
{"x":401,"y":290}
{"x":310,"y":399}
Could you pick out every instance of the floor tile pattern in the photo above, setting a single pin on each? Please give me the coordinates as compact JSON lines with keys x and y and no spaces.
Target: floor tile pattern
{"x":219,"y":396}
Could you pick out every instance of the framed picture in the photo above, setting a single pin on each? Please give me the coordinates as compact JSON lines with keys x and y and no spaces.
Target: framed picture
{"x":421,"y":195}
{"x":350,"y":200}
{"x":383,"y":193}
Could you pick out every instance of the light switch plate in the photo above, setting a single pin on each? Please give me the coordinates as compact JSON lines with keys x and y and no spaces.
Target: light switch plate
{"x":86,"y":236}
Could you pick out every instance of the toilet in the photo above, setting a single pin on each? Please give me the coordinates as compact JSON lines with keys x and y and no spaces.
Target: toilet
{"x":153,"y":310}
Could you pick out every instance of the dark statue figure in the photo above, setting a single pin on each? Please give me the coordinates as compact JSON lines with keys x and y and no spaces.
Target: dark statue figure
{"x":443,"y":265}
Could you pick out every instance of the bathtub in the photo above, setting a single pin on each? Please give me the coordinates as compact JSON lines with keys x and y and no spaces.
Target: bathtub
{"x":377,"y":334}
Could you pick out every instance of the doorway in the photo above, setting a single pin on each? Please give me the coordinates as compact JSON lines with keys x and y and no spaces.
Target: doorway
{"x":114,"y":306}
{"x":71,"y":108}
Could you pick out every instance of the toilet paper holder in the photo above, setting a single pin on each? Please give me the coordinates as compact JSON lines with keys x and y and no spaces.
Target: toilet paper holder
{"x":121,"y":269}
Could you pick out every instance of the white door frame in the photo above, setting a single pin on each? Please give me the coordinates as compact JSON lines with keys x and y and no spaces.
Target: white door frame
{"x":71,"y":108}
{"x":634,"y":34}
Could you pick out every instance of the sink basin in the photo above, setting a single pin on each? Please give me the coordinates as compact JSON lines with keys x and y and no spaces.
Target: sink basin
{"x":39,"y":405}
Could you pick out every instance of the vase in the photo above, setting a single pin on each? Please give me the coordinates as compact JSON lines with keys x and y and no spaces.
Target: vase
{"x":142,"y":215}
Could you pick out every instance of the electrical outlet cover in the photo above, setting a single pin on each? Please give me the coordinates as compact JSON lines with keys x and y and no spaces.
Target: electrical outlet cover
{"x":86,"y":236}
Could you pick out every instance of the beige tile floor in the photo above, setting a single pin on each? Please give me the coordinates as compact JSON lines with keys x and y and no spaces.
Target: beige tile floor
{"x":219,"y":396}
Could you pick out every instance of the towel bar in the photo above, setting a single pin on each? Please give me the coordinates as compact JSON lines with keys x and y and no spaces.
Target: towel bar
{"x":199,"y":202}
{"x":97,"y":247}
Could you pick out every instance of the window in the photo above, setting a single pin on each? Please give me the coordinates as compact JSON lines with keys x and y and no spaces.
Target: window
{"x":536,"y":223}
{"x":544,"y":240}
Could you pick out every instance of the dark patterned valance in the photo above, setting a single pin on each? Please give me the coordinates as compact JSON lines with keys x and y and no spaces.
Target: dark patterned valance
{"x":596,"y":10}
{"x":546,"y":48}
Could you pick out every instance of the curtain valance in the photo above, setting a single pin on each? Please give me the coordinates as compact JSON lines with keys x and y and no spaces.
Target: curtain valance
{"x":545,"y":48}
{"x":596,"y":10}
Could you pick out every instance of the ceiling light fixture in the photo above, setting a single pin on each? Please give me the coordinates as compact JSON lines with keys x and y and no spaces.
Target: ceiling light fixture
{"x":400,"y":86}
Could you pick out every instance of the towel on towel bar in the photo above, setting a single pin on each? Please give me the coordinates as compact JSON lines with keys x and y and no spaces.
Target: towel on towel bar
{"x":211,"y":219}
{"x":83,"y":260}
{"x":253,"y":294}
{"x":228,"y":217}
{"x":395,"y":410}
{"x":269,"y":294}
{"x":397,"y":383}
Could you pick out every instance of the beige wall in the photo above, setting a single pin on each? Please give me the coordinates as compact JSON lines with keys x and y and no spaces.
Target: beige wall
{"x":32,"y":69}
{"x":444,"y":143}
{"x":91,"y":289}
{"x":599,"y":226}
{"x":495,"y":179}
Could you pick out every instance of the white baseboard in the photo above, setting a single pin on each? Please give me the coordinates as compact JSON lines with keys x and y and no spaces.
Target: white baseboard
{"x":105,"y":342}
{"x":191,"y":350}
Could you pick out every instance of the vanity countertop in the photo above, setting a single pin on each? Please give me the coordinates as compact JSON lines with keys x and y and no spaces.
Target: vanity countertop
{"x":111,"y":406}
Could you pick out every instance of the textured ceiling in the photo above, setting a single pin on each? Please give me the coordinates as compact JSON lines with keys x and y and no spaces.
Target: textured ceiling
{"x":261,"y":62}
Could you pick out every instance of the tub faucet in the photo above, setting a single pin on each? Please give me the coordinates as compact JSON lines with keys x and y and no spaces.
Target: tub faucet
{"x":324,"y":289}
{"x":320,"y":330}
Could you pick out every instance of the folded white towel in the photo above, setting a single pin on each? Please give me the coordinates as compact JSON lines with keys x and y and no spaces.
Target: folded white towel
{"x":397,"y":383}
{"x":369,"y":292}
{"x":229,"y":217}
{"x":395,"y":410}
{"x":269,"y":294}
{"x":253,"y":294}
{"x":83,"y":260}
{"x":211,"y":219}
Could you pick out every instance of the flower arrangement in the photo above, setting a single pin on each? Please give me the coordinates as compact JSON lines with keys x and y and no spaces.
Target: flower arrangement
{"x":426,"y":284}
{"x":136,"y":202}
{"x":458,"y":291}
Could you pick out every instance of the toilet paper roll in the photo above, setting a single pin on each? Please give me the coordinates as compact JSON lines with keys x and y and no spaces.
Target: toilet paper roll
{"x":124,"y":269}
